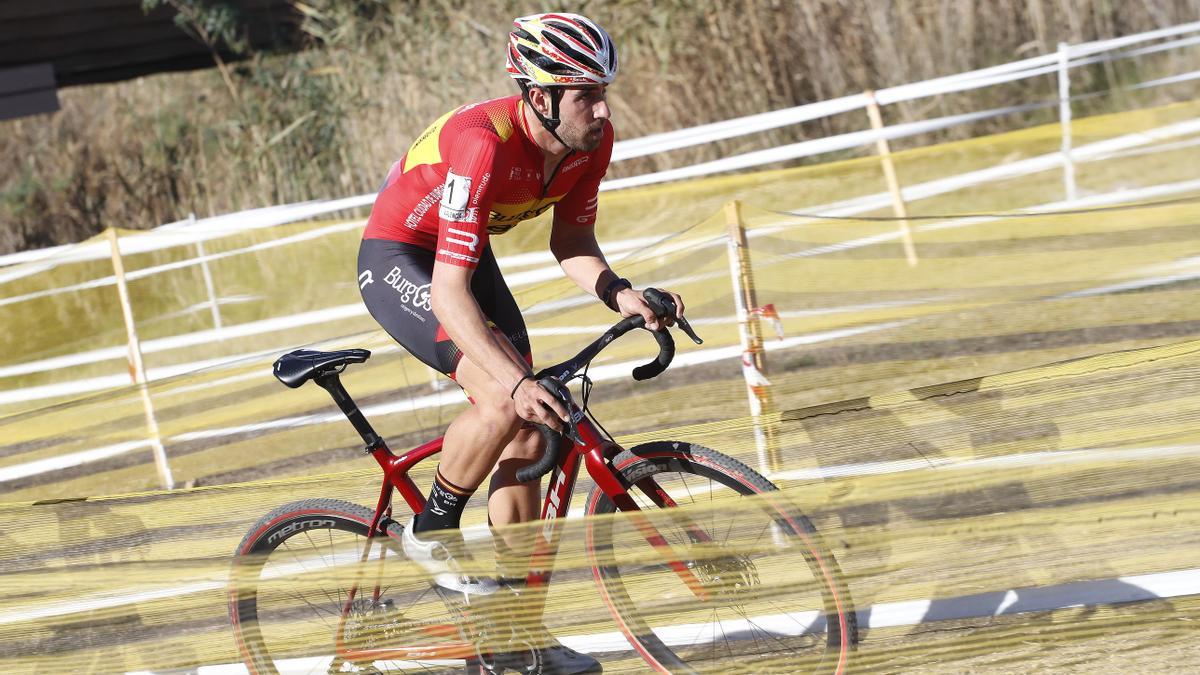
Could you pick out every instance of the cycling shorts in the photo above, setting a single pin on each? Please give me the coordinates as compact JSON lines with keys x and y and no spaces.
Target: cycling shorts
{"x":395,"y":279}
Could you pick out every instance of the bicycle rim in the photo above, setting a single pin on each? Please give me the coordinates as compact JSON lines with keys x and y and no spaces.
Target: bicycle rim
{"x":760,"y":593}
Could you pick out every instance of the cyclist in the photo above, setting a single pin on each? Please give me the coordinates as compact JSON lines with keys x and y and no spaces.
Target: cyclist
{"x":428,"y":275}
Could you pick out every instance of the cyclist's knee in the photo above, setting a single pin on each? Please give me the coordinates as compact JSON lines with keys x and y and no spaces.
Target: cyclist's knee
{"x":500,"y":415}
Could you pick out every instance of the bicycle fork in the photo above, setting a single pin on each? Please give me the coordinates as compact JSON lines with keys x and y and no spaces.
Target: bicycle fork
{"x":606,"y":477}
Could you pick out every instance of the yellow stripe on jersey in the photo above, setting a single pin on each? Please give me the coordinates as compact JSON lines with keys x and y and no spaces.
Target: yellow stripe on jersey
{"x":425,"y":149}
{"x":502,"y":122}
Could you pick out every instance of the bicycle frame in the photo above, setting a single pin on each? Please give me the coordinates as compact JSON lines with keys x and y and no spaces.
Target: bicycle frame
{"x":594,"y":453}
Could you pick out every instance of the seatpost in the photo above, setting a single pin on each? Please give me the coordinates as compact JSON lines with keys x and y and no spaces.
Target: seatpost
{"x":331,"y":383}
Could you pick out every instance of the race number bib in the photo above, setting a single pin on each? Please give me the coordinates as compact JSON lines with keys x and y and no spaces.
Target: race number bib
{"x":456,"y":194}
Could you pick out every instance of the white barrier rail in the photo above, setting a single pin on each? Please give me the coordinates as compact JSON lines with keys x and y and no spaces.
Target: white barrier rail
{"x":1047,"y":63}
{"x":615,"y":251}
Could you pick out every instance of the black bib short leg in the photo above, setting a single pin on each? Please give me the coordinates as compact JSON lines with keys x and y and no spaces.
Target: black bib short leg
{"x":395,"y":279}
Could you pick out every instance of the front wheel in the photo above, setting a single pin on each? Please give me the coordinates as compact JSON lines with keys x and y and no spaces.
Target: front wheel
{"x":739,"y":581}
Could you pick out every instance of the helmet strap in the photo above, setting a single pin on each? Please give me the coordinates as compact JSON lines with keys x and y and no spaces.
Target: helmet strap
{"x":549,"y":123}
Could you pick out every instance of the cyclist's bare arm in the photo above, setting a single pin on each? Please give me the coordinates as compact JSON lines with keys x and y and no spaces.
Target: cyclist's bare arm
{"x":583,"y":262}
{"x":459,"y":313}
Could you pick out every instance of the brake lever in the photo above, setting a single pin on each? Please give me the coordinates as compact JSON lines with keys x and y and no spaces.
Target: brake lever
{"x":687,"y":329}
{"x":558,"y":390}
{"x":664,"y":306}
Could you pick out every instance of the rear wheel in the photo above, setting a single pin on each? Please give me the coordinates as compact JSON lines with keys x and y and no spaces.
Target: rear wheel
{"x":747,"y":585}
{"x":292,"y":577}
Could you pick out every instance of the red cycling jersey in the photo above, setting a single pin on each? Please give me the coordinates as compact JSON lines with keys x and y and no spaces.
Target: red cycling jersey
{"x":474,"y":172}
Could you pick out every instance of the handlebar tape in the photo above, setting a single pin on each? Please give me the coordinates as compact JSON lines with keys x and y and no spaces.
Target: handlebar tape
{"x":548,"y":459}
{"x":666,"y":352}
{"x":554,"y":440}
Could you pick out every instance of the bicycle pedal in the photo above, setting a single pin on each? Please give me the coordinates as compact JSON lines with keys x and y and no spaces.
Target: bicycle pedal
{"x":526,"y":661}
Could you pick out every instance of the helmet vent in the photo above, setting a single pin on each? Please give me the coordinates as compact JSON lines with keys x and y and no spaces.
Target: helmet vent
{"x":562,"y":46}
{"x":570,"y":30}
{"x":544,"y":62}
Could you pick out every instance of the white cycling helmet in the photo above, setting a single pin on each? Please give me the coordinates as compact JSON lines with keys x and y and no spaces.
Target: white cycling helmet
{"x":558,"y":48}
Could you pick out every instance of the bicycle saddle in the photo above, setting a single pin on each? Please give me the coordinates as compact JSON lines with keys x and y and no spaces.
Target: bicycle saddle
{"x":296,"y":368}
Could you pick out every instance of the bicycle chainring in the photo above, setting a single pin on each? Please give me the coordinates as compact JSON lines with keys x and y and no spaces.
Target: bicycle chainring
{"x":371,"y":623}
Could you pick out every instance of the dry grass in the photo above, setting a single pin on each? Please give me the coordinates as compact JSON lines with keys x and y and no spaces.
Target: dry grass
{"x":329,"y":121}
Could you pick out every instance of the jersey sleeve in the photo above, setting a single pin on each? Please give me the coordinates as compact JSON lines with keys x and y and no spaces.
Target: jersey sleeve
{"x":578,"y":207}
{"x":467,"y":196}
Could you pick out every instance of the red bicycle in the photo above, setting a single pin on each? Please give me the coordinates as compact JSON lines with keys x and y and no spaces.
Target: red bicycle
{"x":320,"y":585}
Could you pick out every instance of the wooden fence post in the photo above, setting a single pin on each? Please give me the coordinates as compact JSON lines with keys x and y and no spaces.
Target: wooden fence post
{"x":889,"y":174}
{"x":754,"y":361}
{"x":137,"y":369}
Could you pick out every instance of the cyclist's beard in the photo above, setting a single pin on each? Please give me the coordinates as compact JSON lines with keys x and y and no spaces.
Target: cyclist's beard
{"x":582,"y":139}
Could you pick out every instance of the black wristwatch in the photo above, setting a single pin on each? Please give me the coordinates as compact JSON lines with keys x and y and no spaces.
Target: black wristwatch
{"x":612,"y":289}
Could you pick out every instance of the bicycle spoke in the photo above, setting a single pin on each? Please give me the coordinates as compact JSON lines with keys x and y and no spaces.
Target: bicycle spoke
{"x":712,"y":642}
{"x":299,"y":563}
{"x":724,"y":638}
{"x":789,"y":612}
{"x":327,"y":566}
{"x":766,"y":526}
{"x":687,"y":488}
{"x":320,"y":611}
{"x":729,"y":528}
{"x":304,"y":570}
{"x":766,"y":633}
{"x":308,"y":536}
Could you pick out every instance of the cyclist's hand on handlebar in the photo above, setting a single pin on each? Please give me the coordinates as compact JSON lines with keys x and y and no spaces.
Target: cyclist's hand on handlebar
{"x":632,"y":302}
{"x":539,"y":406}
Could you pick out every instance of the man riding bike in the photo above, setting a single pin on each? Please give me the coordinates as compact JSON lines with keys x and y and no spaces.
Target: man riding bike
{"x":428,"y":275}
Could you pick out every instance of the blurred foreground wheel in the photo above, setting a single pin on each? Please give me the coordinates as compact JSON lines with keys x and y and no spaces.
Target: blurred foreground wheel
{"x":749,"y":585}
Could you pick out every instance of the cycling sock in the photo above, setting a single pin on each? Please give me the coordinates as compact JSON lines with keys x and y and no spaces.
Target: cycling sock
{"x":444,"y":508}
